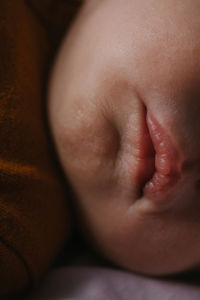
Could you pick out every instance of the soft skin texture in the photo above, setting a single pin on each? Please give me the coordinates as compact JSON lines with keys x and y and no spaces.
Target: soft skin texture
{"x":123,"y":61}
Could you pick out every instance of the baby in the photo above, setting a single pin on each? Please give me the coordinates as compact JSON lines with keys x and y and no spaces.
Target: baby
{"x":124,"y":109}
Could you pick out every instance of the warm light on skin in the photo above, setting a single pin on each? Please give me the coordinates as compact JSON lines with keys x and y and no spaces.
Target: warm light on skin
{"x":121,"y":60}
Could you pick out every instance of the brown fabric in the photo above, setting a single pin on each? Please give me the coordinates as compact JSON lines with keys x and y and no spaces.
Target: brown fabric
{"x":55,"y":15}
{"x":34,"y":221}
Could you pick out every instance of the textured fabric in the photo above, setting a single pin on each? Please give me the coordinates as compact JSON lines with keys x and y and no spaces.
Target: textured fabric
{"x":34,"y":221}
{"x":95,"y":283}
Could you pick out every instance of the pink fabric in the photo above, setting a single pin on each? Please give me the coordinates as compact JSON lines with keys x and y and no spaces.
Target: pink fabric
{"x":97,"y":283}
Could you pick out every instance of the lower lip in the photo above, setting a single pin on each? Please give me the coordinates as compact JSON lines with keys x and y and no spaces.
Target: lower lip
{"x":166,"y":161}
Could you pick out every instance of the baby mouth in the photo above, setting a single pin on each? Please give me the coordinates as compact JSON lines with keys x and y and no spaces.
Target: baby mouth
{"x":165,"y":169}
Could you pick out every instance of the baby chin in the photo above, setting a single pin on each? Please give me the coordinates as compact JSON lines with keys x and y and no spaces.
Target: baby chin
{"x":124,"y":113}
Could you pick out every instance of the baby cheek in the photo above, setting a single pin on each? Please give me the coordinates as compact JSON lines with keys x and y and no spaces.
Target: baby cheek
{"x":89,"y":148}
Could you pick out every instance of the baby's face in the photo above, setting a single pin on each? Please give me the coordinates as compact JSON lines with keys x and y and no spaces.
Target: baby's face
{"x":124,"y":108}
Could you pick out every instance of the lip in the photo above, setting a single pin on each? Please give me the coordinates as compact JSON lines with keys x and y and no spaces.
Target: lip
{"x":161,"y":170}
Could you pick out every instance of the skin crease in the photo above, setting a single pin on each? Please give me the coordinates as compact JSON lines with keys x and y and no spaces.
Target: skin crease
{"x":121,"y":60}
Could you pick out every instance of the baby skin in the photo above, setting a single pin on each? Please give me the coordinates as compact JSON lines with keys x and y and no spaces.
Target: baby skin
{"x":124,"y":110}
